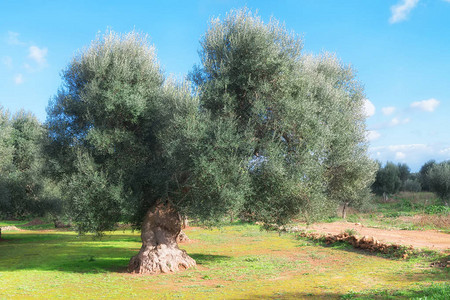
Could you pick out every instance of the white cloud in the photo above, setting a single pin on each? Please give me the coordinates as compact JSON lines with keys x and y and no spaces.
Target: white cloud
{"x":18,"y":79}
{"x":445,"y":151}
{"x":401,"y":10}
{"x":7,"y":61}
{"x":426,"y":105}
{"x":13,"y":39}
{"x":388,"y":110}
{"x":373,"y":135}
{"x":409,"y":147}
{"x":399,"y":155}
{"x":415,"y":155}
{"x":38,"y":55}
{"x":394,"y":122}
{"x":369,"y":108}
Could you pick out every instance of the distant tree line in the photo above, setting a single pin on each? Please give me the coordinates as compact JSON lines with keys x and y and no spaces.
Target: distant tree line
{"x":24,"y":189}
{"x":432,"y":177}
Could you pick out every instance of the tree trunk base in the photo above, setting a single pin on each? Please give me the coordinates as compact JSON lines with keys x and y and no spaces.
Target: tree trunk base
{"x":159,"y":252}
{"x":160,"y":259}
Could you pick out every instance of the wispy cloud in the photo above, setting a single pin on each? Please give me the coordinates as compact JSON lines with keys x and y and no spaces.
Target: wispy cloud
{"x":13,"y":39}
{"x":401,"y":10}
{"x":426,"y":105}
{"x":445,"y":151}
{"x":369,"y":108}
{"x":18,"y":79}
{"x":415,"y":155}
{"x":388,"y":110}
{"x":373,"y":135}
{"x":400,"y":155}
{"x":396,"y":121}
{"x":38,"y":55}
{"x":405,"y":147}
{"x":7,"y":61}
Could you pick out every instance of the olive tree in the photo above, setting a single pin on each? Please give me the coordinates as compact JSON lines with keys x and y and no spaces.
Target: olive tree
{"x":439,"y":181}
{"x":299,"y":117}
{"x":387,"y":180}
{"x":21,"y":180}
{"x":404,"y":173}
{"x":6,"y":159}
{"x":423,"y":174}
{"x":107,"y":129}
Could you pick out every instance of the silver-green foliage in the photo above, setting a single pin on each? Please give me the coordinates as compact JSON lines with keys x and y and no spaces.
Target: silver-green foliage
{"x":107,"y":127}
{"x":300,"y":117}
{"x":6,"y":157}
{"x":387,"y":181}
{"x":21,"y":163}
{"x":439,"y":181}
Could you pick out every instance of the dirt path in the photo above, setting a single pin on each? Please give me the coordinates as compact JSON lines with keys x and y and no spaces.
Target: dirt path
{"x":418,"y":239}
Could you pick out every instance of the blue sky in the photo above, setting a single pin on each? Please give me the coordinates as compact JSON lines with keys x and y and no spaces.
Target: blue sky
{"x":399,"y":48}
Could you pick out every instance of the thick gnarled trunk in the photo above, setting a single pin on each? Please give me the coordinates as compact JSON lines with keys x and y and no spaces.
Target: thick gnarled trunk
{"x":159,"y":252}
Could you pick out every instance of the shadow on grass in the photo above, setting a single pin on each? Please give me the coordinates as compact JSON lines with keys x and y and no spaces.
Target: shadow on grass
{"x":205,"y":259}
{"x":76,"y":254}
{"x":66,"y":252}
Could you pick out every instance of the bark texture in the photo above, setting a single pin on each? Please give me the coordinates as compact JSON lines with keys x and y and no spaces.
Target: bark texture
{"x":159,"y":252}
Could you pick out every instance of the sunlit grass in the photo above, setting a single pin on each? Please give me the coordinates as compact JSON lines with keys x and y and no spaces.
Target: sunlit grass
{"x":237,"y":262}
{"x":406,"y":211}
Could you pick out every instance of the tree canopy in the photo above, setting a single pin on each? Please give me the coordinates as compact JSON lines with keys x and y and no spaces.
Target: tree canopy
{"x":22,"y":186}
{"x":105,"y":126}
{"x":423,"y":174}
{"x":387,"y":181}
{"x":439,"y":181}
{"x":299,"y":117}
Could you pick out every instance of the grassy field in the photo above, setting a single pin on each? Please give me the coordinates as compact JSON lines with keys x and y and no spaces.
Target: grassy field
{"x":234,"y":262}
{"x":407,"y":211}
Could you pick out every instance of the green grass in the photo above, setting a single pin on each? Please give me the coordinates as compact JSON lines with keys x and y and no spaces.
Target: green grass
{"x":433,"y":292}
{"x":236,"y":262}
{"x":12,"y":223}
{"x":407,"y":204}
{"x":21,"y":225}
{"x":400,"y":210}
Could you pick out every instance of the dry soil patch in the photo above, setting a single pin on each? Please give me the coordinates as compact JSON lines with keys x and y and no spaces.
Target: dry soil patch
{"x":431,"y":239}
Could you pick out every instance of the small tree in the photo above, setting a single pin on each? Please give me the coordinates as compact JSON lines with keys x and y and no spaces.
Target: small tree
{"x":423,"y":174}
{"x":6,"y":161}
{"x":387,"y":181}
{"x":439,"y":181}
{"x":21,"y":178}
{"x":412,"y":185}
{"x":403,"y":173}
